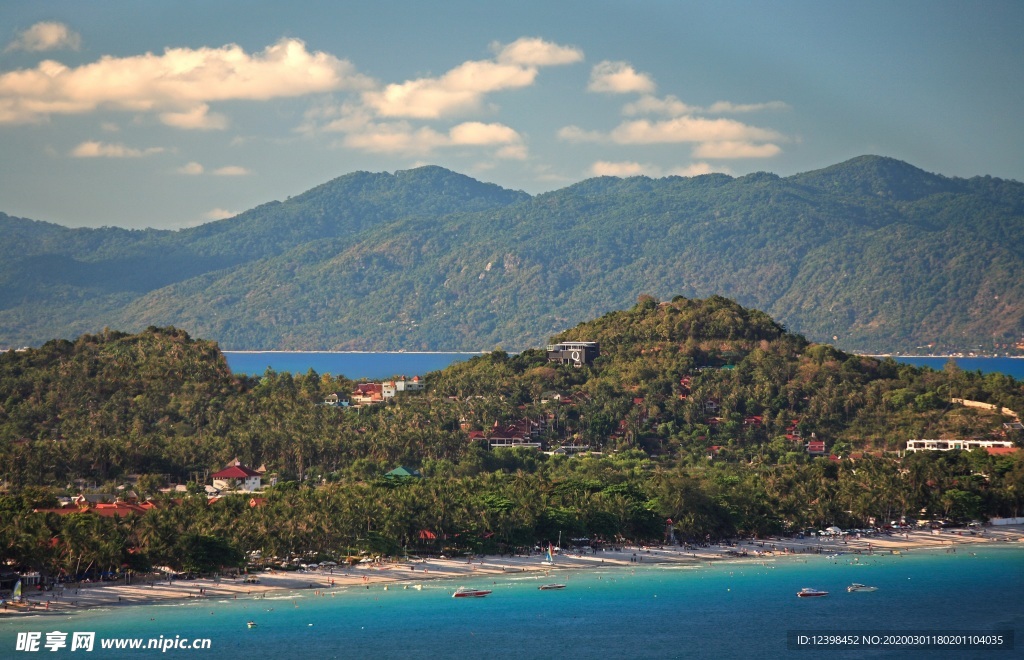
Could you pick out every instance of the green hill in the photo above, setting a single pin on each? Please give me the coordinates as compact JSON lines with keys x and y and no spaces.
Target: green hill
{"x":873,"y":255}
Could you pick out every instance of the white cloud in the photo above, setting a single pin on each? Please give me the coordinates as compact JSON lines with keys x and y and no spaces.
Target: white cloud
{"x":632,"y":168}
{"x":94,"y":149}
{"x":197,"y":118}
{"x":477,"y":133}
{"x":619,"y":78}
{"x":463,"y":88}
{"x":725,"y":107}
{"x":606,"y":168}
{"x":696,"y":169}
{"x":531,"y":51}
{"x":669,"y":106}
{"x":219,"y":214}
{"x":231,"y":170}
{"x":192,"y":169}
{"x":46,"y":35}
{"x":736,"y":149}
{"x":688,"y":129}
{"x":512,"y":152}
{"x":177,"y":83}
{"x":402,"y":138}
{"x":577,"y":134}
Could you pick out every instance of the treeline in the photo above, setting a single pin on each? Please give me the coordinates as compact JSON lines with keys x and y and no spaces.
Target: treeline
{"x":514,"y":501}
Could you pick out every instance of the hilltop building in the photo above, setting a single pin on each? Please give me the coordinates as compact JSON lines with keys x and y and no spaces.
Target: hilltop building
{"x":576,"y":353}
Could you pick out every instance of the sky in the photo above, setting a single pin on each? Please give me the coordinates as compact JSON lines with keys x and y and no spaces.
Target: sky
{"x":171,"y":114}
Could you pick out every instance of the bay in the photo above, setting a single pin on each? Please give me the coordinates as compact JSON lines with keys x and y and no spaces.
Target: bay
{"x":353,"y":365}
{"x":1013,"y":367}
{"x":731,"y":609}
{"x":381,"y":365}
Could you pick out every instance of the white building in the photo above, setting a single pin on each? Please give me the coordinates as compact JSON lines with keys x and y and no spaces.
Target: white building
{"x":948,"y":445}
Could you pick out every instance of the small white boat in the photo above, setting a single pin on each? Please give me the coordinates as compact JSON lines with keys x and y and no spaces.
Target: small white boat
{"x":467,"y":592}
{"x":856,"y":586}
{"x":809,"y":592}
{"x":551,"y":587}
{"x":251,"y":624}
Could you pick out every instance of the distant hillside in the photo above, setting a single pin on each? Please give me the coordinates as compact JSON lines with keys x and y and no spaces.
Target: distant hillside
{"x":872,"y":255}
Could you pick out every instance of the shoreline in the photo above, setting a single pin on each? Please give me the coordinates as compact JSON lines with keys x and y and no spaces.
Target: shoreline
{"x":406,"y":574}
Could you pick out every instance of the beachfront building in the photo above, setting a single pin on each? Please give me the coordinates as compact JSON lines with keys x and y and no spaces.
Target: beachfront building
{"x":949,"y":445}
{"x":237,"y":476}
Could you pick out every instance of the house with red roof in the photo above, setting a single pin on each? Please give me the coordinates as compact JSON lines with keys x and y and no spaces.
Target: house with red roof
{"x":237,"y":476}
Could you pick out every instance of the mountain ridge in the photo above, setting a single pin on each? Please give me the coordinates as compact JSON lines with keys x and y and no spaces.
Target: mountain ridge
{"x":875,"y":252}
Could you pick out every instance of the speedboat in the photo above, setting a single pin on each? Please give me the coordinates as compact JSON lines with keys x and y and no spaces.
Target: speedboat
{"x":856,"y":586}
{"x":251,"y":624}
{"x":809,"y":592}
{"x":551,"y":587}
{"x":466,"y":592}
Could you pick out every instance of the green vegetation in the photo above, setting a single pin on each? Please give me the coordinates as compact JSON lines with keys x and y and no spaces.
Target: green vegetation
{"x":872,"y":255}
{"x":676,"y":382}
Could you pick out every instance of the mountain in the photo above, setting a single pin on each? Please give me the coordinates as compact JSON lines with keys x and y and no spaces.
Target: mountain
{"x":872,"y":255}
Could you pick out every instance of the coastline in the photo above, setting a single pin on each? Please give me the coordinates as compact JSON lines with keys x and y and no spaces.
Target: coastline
{"x":411,"y":574}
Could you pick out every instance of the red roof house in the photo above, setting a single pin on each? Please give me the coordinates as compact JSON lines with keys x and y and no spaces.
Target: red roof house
{"x":237,"y":476}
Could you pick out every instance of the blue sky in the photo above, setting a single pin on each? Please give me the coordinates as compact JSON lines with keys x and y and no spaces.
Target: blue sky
{"x":171,"y":114}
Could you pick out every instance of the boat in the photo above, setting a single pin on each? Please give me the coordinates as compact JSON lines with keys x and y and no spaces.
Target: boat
{"x":856,"y":586}
{"x":251,"y":624}
{"x":809,"y":592}
{"x":467,"y":592}
{"x":551,"y":587}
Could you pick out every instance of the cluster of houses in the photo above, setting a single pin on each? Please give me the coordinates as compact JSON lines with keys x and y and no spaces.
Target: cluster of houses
{"x":368,"y":394}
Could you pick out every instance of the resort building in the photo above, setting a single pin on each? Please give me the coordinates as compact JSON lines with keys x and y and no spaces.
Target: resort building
{"x":949,"y":445}
{"x":237,"y":476}
{"x":576,"y":353}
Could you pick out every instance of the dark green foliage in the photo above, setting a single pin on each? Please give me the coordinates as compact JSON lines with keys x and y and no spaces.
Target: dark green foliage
{"x":674,"y":380}
{"x":873,"y":254}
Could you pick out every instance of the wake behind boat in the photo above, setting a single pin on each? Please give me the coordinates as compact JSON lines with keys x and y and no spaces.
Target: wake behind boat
{"x":856,"y":586}
{"x":467,"y":592}
{"x":809,"y":592}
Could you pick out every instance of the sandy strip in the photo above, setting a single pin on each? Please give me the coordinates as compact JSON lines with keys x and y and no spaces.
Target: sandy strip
{"x":405,"y":573}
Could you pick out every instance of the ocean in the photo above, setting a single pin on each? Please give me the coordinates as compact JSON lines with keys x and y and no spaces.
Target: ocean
{"x":742,"y":608}
{"x":357,"y":366}
{"x":377,"y":366}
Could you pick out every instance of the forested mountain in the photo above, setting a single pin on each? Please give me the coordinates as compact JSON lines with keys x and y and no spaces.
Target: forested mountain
{"x":872,"y":254}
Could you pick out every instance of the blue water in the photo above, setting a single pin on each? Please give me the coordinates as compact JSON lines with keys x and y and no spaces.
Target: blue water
{"x":384,"y":365}
{"x":370,"y":366}
{"x":1010,"y":366}
{"x":725,"y":610}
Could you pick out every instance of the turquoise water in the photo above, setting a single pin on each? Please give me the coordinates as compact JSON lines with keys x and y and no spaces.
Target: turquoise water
{"x":384,"y":365}
{"x":725,"y":610}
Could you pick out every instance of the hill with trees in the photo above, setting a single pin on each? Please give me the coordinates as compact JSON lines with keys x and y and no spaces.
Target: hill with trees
{"x":698,"y":410}
{"x":873,"y":255}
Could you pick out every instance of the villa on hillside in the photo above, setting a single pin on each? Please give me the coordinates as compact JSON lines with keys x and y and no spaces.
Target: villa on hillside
{"x":238,"y":477}
{"x":576,"y":353}
{"x":368,"y":394}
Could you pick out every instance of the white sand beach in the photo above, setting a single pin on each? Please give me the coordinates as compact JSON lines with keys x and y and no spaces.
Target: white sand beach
{"x":399,"y":574}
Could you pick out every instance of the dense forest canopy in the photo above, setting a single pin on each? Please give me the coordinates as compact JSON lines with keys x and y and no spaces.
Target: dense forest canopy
{"x":872,"y":255}
{"x":697,"y":410}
